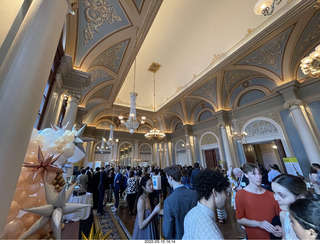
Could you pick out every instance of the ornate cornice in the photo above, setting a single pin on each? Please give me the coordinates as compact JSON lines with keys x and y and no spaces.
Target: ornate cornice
{"x":72,"y":80}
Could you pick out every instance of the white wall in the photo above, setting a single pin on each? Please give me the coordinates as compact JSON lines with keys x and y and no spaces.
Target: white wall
{"x":8,"y":12}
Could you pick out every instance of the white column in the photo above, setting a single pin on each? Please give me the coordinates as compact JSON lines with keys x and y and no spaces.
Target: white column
{"x":226,"y":146}
{"x":156,"y":145}
{"x":86,"y":157}
{"x":71,"y":111}
{"x":167,"y":154}
{"x":136,"y":153}
{"x":115,"y":153}
{"x":304,"y":132}
{"x":23,"y":76}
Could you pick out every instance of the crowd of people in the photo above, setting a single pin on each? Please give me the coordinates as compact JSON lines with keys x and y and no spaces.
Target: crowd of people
{"x":267,"y":203}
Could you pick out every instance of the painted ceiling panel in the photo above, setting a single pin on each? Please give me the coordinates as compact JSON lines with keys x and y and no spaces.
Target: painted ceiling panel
{"x":112,"y":57}
{"x":251,"y":96}
{"x":232,"y":77}
{"x":98,"y":75}
{"x":97,"y":20}
{"x":270,"y":55}
{"x":94,"y":102}
{"x":192,"y":103}
{"x":102,"y":93}
{"x":208,"y":91}
{"x":270,"y":84}
{"x":310,"y":37}
{"x":177,"y":109}
{"x":200,"y":108}
{"x":138,"y":4}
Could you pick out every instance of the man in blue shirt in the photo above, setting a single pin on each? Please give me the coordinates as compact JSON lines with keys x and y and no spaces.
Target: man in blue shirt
{"x":117,"y":186}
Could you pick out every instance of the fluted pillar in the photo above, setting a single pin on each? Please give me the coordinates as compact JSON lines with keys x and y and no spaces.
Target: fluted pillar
{"x":304,"y":131}
{"x":226,"y":146}
{"x":71,"y":111}
{"x":23,"y":76}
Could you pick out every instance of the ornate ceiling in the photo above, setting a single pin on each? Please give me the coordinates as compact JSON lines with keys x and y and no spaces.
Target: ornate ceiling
{"x":214,"y":55}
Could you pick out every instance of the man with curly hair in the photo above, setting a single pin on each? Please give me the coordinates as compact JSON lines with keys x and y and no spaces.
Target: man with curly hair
{"x":200,"y":223}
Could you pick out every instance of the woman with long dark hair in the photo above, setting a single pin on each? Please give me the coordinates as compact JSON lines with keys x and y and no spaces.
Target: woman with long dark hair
{"x":146,"y":226}
{"x":305,"y":218}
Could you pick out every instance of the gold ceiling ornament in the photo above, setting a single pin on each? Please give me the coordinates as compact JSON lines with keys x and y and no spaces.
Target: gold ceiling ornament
{"x":154,"y":134}
{"x":249,"y":31}
{"x":310,"y":65}
{"x":265,"y":7}
{"x":216,"y":57}
{"x":317,"y":5}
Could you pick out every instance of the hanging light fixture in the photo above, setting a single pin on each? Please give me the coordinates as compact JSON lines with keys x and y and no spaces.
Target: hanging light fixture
{"x":111,"y":140}
{"x":310,"y":65}
{"x":234,"y":129}
{"x":154,"y":134}
{"x":265,"y":7}
{"x":132,"y":123}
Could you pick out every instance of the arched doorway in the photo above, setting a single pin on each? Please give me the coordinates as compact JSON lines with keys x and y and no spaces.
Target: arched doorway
{"x":181,"y":153}
{"x":125,"y":154}
{"x":145,"y":154}
{"x":210,"y":153}
{"x":265,"y":143}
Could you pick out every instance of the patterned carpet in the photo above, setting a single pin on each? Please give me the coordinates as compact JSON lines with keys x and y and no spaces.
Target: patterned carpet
{"x":108,"y":222}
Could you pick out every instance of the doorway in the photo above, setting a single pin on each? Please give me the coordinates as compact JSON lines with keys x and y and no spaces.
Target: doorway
{"x":266,"y":153}
{"x":212,"y":158}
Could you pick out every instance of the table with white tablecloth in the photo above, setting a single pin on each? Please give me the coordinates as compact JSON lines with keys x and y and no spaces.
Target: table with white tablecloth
{"x":82,"y":213}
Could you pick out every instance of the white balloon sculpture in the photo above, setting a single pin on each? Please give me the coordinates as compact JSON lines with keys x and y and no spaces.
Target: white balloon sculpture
{"x":48,"y":149}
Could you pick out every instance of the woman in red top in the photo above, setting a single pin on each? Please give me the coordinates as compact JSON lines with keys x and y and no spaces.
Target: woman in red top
{"x":256,"y":207}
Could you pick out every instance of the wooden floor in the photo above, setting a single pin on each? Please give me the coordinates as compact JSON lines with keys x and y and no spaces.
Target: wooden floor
{"x":231,"y":230}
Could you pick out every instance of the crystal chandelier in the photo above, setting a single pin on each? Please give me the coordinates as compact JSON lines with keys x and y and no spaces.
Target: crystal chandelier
{"x":132,"y":123}
{"x":154,"y":134}
{"x":265,"y":7}
{"x":310,"y":65}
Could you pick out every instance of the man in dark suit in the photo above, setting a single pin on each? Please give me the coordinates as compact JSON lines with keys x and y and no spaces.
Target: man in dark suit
{"x":95,"y":184}
{"x":242,"y":180}
{"x":176,"y":205}
{"x":194,"y":173}
{"x":102,"y":187}
{"x":117,"y":186}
